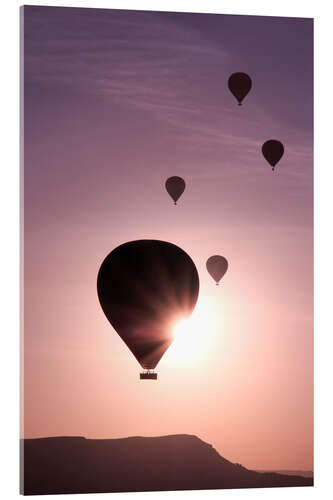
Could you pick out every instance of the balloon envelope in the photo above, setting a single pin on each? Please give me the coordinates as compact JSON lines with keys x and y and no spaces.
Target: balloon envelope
{"x":144,"y":287}
{"x":175,"y":186}
{"x":273,"y":151}
{"x":239,"y":85}
{"x":217,"y":267}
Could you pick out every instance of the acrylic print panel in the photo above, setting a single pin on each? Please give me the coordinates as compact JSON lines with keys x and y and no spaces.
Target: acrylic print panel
{"x":166,"y":154}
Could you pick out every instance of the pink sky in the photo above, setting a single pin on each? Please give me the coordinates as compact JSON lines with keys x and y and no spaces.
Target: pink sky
{"x":116,"y":102}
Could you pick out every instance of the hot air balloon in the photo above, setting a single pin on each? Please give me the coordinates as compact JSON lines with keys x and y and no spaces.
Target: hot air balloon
{"x":239,"y":85}
{"x":273,"y":151}
{"x":144,"y":288}
{"x":175,"y":187}
{"x":217,"y":267}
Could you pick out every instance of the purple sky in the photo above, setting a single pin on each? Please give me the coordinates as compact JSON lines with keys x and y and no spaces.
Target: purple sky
{"x":116,"y":102}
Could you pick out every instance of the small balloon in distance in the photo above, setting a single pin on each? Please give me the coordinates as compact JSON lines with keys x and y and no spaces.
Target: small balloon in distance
{"x":175,"y":187}
{"x":217,"y":266}
{"x":239,"y":85}
{"x":272,"y":151}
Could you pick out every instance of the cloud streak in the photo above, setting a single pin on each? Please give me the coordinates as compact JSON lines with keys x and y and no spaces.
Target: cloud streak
{"x":149,"y":62}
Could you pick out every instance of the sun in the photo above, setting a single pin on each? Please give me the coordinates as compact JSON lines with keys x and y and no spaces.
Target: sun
{"x":193,"y":335}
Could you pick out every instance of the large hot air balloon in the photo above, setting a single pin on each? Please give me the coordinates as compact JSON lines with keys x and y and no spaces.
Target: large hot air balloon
{"x":217,"y":267}
{"x":145,"y":287}
{"x":175,"y":187}
{"x":239,"y":85}
{"x":273,"y":151}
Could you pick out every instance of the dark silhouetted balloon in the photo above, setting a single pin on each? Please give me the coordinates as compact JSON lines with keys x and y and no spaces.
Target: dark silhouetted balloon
{"x":145,"y":287}
{"x":175,"y":187}
{"x":217,"y":267}
{"x":273,"y":151}
{"x":239,"y":85}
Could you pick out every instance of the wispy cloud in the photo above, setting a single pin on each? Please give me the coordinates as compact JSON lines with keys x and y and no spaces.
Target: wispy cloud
{"x":147,"y":61}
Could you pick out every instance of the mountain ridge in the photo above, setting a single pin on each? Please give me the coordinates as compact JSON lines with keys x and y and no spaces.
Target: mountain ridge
{"x":289,"y":472}
{"x":75,"y":464}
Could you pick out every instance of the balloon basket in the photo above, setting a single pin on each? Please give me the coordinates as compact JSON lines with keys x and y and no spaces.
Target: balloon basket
{"x":148,"y":375}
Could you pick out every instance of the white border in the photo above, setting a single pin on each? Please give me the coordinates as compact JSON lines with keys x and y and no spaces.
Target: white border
{"x":9,"y":212}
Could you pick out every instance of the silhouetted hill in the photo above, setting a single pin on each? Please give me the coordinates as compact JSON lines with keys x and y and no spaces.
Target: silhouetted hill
{"x":303,"y":473}
{"x":179,"y":462}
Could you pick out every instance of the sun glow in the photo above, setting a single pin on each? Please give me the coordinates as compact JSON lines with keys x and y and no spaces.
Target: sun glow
{"x":193,"y":335}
